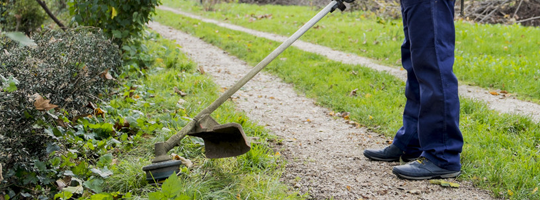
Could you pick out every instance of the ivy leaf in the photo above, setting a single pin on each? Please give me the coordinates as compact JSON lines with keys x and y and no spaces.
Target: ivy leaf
{"x":102,"y":172}
{"x":117,"y":34}
{"x":75,"y":189}
{"x":63,"y":195}
{"x":95,"y":185}
{"x":42,"y":104}
{"x":11,"y":88}
{"x":10,"y":85}
{"x":105,"y":160}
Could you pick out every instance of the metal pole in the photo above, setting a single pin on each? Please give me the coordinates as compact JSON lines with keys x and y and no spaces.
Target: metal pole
{"x":161,"y":149}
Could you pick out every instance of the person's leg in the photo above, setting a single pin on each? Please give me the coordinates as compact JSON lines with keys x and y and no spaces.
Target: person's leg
{"x":406,"y":137}
{"x":432,"y":38}
{"x":406,"y":144}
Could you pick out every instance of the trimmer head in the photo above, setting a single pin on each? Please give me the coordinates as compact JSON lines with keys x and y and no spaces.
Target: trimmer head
{"x":157,"y":172}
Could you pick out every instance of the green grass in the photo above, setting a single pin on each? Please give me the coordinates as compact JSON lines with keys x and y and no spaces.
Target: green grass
{"x":496,"y":57}
{"x":153,"y":107}
{"x":501,"y":151}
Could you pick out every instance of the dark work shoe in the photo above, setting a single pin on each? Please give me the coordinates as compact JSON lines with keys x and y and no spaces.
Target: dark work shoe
{"x":423,"y":169}
{"x":391,"y":153}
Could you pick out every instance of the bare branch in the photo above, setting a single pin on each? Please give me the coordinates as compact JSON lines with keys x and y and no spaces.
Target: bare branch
{"x":44,"y":6}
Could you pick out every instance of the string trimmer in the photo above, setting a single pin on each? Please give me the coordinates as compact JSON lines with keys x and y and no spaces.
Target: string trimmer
{"x":222,"y":140}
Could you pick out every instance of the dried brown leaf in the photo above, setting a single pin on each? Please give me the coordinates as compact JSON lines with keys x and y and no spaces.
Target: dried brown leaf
{"x":179,"y":92}
{"x":80,"y":116}
{"x":106,"y":75}
{"x":42,"y":104}
{"x":353,"y":93}
{"x":201,"y":69}
{"x":185,"y":161}
{"x":493,"y":92}
{"x":99,"y":112}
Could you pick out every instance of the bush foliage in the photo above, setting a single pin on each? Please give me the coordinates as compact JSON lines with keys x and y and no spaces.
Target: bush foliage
{"x":70,"y":69}
{"x":118,"y":19}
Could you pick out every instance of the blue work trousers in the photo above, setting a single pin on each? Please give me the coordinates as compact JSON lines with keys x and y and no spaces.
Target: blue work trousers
{"x":431,"y":115}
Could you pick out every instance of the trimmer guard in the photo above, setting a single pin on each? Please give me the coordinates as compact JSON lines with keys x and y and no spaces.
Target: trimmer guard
{"x":221,"y":141}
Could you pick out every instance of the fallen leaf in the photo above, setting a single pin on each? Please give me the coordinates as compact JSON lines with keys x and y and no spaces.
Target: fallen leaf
{"x":308,"y":120}
{"x":504,"y":92}
{"x":534,"y":191}
{"x":42,"y":104}
{"x":345,"y":115}
{"x":332,"y":113}
{"x":444,"y":183}
{"x":61,"y":123}
{"x":349,"y":188}
{"x":414,"y":191}
{"x":353,"y":93}
{"x":510,"y":192}
{"x":201,"y":69}
{"x":77,"y":189}
{"x":181,"y":102}
{"x":91,"y":105}
{"x":63,"y":182}
{"x":185,"y":161}
{"x":493,"y":92}
{"x":119,"y":126}
{"x":99,"y":112}
{"x":80,"y":116}
{"x":106,"y":75}
{"x":179,"y":92}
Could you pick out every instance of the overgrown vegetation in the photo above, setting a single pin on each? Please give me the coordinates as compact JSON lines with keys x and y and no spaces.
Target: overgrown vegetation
{"x":500,"y":152}
{"x":60,"y":71}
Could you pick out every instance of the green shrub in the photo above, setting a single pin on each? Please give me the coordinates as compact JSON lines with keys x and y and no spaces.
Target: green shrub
{"x":21,"y":15}
{"x":66,"y":68}
{"x":118,"y":19}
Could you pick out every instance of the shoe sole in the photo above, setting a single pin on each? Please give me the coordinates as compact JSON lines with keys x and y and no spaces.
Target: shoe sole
{"x":451,"y":175}
{"x":387,"y":159}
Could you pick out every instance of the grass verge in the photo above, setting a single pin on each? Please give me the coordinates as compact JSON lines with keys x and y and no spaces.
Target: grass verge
{"x":500,"y":151}
{"x":154,"y":111}
{"x":496,"y":57}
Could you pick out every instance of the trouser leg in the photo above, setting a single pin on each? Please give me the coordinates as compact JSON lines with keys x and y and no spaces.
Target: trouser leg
{"x":407,"y":136}
{"x":431,"y":36}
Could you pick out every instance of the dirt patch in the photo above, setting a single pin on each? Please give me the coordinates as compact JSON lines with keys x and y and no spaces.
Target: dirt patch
{"x":324,"y":154}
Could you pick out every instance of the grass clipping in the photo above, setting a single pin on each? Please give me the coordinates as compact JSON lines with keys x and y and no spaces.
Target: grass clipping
{"x":444,"y":183}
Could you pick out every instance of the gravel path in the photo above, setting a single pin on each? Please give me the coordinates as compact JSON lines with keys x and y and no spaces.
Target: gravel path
{"x":324,"y":154}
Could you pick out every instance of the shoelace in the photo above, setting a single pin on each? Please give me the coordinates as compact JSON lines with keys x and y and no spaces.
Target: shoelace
{"x":421,"y":160}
